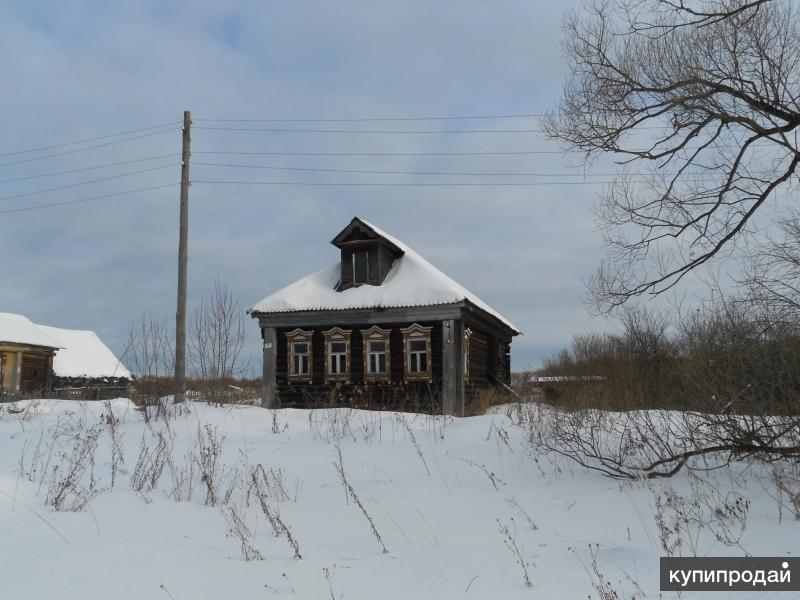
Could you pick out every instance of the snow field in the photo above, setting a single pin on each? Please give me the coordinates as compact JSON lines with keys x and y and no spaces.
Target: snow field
{"x":439,"y":491}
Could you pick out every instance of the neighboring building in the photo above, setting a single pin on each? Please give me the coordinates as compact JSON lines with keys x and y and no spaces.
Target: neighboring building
{"x":382,"y":328}
{"x":36,"y":359}
{"x":85,"y":365}
{"x":26,"y":356}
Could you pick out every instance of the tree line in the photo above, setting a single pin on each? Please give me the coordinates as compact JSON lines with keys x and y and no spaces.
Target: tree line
{"x":215,"y":344}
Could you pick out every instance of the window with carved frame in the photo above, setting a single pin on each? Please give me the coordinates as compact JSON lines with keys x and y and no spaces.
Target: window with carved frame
{"x":417,"y":353}
{"x":467,"y":336}
{"x":300,"y":355}
{"x":377,"y":354}
{"x":337,"y":354}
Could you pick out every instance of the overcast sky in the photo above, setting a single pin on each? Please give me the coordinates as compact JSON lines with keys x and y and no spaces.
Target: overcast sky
{"x":83,"y":69}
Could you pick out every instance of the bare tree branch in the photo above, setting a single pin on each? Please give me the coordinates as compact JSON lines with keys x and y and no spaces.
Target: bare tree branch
{"x":718,"y":81}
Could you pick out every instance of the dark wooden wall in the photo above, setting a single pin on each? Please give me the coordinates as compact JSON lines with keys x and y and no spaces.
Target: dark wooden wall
{"x":35,"y":372}
{"x":385,"y":260}
{"x":478,"y":357}
{"x":295,"y":393}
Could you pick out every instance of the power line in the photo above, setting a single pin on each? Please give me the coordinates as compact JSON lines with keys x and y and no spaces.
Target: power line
{"x":688,"y":175}
{"x":92,"y":168}
{"x":370,"y":119}
{"x":511,"y":153}
{"x":55,"y":154}
{"x":466,"y":173}
{"x":91,"y":139}
{"x":379,"y":172}
{"x":382,"y":119}
{"x":82,"y":183}
{"x":468,"y":153}
{"x":695,"y":178}
{"x":398,"y":183}
{"x":367,"y":131}
{"x":80,"y":200}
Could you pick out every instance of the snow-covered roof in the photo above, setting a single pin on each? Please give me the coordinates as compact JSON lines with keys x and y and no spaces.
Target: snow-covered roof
{"x":16,"y":329}
{"x":83,"y":354}
{"x":412,"y":281}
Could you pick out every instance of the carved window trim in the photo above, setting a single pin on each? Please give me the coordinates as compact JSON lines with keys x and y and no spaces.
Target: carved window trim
{"x":467,"y":336}
{"x":299,"y":336}
{"x":375,"y":333}
{"x":337,"y":335}
{"x":417,"y":332}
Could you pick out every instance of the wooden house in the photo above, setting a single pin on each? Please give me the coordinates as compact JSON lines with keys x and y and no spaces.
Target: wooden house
{"x":50,"y":361}
{"x":26,"y":356}
{"x":84,"y":367}
{"x":382,"y":328}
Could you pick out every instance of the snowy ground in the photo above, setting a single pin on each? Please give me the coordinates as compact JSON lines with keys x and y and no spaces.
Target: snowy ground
{"x":439,"y":503}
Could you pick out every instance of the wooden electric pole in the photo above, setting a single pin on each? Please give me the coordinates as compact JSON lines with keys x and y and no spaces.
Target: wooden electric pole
{"x":183,"y":260}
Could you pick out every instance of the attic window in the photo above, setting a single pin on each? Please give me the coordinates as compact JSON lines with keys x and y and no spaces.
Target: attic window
{"x":360,"y":267}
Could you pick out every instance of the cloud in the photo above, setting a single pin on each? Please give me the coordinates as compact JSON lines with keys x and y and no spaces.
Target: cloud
{"x":89,"y":68}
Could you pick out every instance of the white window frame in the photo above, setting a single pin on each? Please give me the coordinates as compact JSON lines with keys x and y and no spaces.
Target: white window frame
{"x":376,"y":334}
{"x":333,"y":336}
{"x":299,"y":336}
{"x":417,"y":332}
{"x":336,"y":358}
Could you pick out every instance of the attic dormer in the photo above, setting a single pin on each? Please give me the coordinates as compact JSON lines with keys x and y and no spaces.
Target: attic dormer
{"x":366,"y":255}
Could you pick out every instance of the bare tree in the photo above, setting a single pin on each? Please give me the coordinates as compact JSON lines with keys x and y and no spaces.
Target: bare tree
{"x":696,"y":13}
{"x":772,"y":278}
{"x":217,"y":332}
{"x":149,"y":347}
{"x":699,"y":101}
{"x":729,"y":387}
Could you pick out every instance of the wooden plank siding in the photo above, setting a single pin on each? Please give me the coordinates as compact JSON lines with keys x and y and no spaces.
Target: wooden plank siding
{"x":357,"y":391}
{"x":478,"y":357}
{"x":35,"y":372}
{"x":486,"y":346}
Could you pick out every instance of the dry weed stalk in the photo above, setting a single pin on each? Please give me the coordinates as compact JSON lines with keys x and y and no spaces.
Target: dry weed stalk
{"x":511,"y":543}
{"x":788,"y":484}
{"x":66,"y":491}
{"x":490,"y":474}
{"x":682,"y":519}
{"x":150,"y":463}
{"x":352,"y":493}
{"x":531,"y":523}
{"x":402,"y":420}
{"x":213,"y":475}
{"x":115,"y":439}
{"x":239,"y":530}
{"x":259,"y":485}
{"x":329,"y":573}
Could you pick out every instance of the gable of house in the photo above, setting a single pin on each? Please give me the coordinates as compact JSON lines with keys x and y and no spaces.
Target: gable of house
{"x":410,"y":281}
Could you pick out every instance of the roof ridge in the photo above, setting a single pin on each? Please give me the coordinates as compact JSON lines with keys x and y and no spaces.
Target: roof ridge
{"x":412,"y":281}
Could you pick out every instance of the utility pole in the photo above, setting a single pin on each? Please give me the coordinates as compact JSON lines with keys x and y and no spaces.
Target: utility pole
{"x":183,"y":260}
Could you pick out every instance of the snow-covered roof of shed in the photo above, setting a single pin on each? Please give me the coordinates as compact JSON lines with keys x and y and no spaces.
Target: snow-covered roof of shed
{"x":83,"y":354}
{"x":412,"y":281}
{"x":16,"y":329}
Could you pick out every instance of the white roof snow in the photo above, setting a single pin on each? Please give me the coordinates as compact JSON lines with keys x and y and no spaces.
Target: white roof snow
{"x":16,"y":329}
{"x":83,"y":354}
{"x":412,"y":281}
